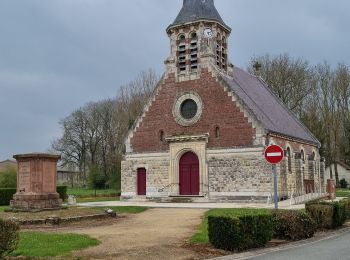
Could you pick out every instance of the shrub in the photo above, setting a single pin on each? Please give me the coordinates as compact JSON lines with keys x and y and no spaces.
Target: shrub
{"x":62,"y":190}
{"x":293,"y":225}
{"x":339,"y":216}
{"x":8,"y":178}
{"x":327,"y":215}
{"x":240,"y":233}
{"x":343,"y":184}
{"x":96,"y":179}
{"x":346,"y":204}
{"x":9,"y":237}
{"x":6,"y":195}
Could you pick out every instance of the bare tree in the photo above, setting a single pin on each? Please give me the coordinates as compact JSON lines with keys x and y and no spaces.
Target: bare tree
{"x":93,"y":136}
{"x":288,"y":78}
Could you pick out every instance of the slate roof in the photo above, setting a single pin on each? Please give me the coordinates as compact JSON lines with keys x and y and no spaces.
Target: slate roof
{"x":267,"y":107}
{"x":195,"y":10}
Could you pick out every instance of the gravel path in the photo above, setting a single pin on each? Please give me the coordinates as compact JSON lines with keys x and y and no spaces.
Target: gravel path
{"x":154,"y":234}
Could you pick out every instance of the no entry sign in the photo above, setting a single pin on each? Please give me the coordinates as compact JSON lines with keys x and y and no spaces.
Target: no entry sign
{"x":274,"y":154}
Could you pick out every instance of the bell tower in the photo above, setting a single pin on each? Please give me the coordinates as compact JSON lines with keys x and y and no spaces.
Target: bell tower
{"x":198,"y":38}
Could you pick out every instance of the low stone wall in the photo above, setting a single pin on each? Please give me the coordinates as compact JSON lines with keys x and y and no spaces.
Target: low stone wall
{"x":57,"y":220}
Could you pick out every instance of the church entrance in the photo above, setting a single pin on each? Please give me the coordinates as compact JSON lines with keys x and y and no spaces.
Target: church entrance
{"x":189,"y":174}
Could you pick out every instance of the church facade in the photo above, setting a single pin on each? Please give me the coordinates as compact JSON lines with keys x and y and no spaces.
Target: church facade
{"x":203,"y":133}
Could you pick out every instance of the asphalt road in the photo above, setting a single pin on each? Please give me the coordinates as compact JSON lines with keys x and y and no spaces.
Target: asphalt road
{"x":334,"y":248}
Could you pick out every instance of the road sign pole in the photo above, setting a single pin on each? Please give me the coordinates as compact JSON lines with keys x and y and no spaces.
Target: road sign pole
{"x":274,"y":172}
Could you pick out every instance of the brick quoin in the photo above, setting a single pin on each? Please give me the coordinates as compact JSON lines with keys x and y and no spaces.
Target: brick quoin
{"x":218,"y":111}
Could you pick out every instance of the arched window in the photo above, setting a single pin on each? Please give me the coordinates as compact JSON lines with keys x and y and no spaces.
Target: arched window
{"x":161,"y":135}
{"x":218,"y":50}
{"x":194,"y":51}
{"x":289,"y":158}
{"x":217,"y":132}
{"x":224,"y":53}
{"x":302,"y":155}
{"x":181,"y":52}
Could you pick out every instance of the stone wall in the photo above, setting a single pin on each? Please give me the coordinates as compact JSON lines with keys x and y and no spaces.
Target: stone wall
{"x":244,"y":174}
{"x":157,"y":174}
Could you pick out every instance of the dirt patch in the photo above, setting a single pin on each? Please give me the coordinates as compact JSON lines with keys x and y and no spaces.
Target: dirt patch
{"x":154,"y":234}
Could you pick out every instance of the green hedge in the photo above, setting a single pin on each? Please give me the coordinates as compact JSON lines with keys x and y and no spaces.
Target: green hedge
{"x":327,"y":214}
{"x":346,"y":204}
{"x":6,"y":194}
{"x":240,"y":233}
{"x":293,"y":225}
{"x":62,"y":190}
{"x":9,"y":237}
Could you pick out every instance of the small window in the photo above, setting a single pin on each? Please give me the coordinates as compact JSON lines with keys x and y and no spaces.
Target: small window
{"x":302,"y":155}
{"x":182,"y":37}
{"x":217,"y":132}
{"x":289,"y":158}
{"x":194,"y":36}
{"x":161,"y":135}
{"x":223,"y":40}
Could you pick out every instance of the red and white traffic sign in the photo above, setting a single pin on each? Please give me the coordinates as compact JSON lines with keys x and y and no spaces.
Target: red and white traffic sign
{"x":274,"y":154}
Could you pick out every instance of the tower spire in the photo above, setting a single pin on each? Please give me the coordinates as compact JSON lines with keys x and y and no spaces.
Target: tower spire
{"x":198,"y":10}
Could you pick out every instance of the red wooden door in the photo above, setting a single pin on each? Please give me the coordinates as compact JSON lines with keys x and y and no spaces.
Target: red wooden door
{"x":189,"y":174}
{"x":141,"y":181}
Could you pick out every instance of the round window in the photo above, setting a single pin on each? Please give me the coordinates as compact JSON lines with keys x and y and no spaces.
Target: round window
{"x":189,"y":109}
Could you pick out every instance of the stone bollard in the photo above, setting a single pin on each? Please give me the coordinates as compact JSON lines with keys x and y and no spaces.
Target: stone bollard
{"x":331,"y":189}
{"x":72,"y":200}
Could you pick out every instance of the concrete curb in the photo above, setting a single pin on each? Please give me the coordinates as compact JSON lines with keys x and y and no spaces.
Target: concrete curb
{"x":264,"y":251}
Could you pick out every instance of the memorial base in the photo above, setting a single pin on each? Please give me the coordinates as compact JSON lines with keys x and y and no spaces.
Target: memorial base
{"x":37,"y":202}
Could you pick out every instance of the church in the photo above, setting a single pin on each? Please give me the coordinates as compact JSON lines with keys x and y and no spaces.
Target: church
{"x":203,"y":133}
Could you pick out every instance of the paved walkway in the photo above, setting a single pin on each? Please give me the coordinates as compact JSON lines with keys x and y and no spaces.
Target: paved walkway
{"x":201,"y":205}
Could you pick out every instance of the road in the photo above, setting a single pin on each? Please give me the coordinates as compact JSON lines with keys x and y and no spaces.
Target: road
{"x":334,"y":247}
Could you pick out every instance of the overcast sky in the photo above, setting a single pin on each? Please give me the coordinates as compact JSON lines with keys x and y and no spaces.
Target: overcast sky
{"x":56,"y":55}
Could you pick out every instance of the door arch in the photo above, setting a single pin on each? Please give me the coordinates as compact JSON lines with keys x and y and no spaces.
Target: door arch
{"x":189,"y":174}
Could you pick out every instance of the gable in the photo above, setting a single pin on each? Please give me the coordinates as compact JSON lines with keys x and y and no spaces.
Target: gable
{"x":219,"y":110}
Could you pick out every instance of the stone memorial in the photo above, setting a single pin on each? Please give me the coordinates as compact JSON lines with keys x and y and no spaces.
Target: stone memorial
{"x":36,"y":182}
{"x":331,"y":189}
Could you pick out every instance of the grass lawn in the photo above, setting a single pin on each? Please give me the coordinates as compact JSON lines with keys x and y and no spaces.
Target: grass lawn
{"x":343,"y":193}
{"x":201,"y":237}
{"x":85,"y":192}
{"x":35,"y":244}
{"x":2,"y":208}
{"x":127,"y":209}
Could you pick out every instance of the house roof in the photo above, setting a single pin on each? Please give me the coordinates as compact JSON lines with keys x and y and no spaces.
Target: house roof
{"x":196,"y":10}
{"x":347,"y":167}
{"x":267,"y":107}
{"x":8,"y":161}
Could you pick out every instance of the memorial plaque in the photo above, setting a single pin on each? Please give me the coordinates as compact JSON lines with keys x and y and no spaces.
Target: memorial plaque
{"x":24,"y":177}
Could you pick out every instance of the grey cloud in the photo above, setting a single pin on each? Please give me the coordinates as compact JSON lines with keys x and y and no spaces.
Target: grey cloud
{"x":57,"y":55}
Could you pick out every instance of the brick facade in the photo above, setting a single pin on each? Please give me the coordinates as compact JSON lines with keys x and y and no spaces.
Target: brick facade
{"x":218,"y":111}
